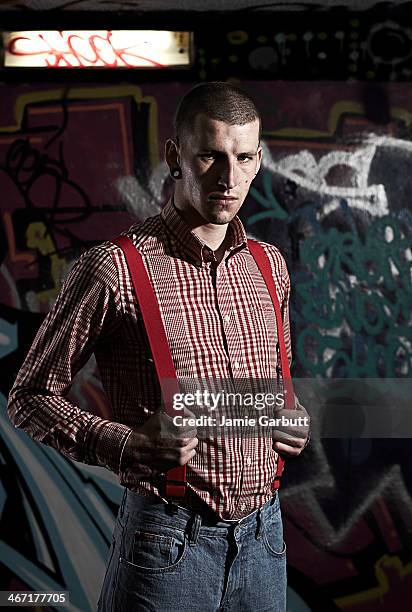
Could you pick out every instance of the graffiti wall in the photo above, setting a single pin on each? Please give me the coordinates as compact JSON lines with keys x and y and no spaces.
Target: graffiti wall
{"x":78,"y":165}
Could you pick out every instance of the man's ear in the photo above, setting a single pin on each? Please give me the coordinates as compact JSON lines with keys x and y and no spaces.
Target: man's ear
{"x":172,"y":156}
{"x":259,"y":158}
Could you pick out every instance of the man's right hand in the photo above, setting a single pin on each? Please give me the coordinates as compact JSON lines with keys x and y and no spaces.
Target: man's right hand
{"x":159,"y":445}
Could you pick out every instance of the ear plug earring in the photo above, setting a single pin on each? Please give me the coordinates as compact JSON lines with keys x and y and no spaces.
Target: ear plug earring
{"x":176,"y":173}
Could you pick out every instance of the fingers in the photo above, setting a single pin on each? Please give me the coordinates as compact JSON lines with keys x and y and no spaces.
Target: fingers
{"x":290,"y":434}
{"x":178,"y":456}
{"x":288,"y":449}
{"x":187,"y":433}
{"x":193,"y":443}
{"x":183,"y":459}
{"x":166,"y":458}
{"x":186,"y":426}
{"x":188,"y":413}
{"x":289,"y":437}
{"x":181,"y":435}
{"x":189,"y":443}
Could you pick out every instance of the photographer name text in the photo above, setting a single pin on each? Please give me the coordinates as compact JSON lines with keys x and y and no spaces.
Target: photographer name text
{"x":263,"y":421}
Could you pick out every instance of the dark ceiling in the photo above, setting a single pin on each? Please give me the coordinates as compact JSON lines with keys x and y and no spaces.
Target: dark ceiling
{"x":184,"y":14}
{"x":248,"y":39}
{"x":191,"y":5}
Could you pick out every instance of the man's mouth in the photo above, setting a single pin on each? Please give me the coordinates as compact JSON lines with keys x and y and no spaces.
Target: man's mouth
{"x":216,"y":197}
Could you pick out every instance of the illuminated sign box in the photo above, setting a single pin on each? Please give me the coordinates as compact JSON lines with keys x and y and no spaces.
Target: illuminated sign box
{"x":97,"y":49}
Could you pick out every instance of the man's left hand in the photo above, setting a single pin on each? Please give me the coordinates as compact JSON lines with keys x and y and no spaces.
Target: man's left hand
{"x":291,"y":440}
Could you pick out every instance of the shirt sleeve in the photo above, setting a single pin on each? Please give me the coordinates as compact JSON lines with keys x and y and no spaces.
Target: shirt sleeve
{"x":286,"y":331}
{"x":281,"y":276}
{"x":86,"y":311}
{"x":282,"y":282}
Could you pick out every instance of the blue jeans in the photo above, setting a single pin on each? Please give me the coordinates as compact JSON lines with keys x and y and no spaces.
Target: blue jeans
{"x":164,"y":558}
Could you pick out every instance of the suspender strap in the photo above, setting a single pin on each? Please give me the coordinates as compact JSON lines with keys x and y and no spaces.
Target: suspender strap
{"x":175,"y":485}
{"x":176,"y":477}
{"x":263,"y":264}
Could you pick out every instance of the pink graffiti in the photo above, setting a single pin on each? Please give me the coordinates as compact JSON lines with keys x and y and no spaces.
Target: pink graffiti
{"x":75,"y":51}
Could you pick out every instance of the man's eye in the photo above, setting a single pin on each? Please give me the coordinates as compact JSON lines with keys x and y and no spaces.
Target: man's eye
{"x":244,"y":158}
{"x":207,"y":156}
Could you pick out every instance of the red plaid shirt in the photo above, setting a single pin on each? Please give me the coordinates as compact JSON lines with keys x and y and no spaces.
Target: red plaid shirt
{"x":219,"y":322}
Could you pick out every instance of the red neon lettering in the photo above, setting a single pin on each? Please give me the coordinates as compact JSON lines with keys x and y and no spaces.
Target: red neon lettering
{"x":77,"y":52}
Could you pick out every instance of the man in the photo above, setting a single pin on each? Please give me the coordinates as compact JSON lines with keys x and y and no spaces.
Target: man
{"x":221,"y":546}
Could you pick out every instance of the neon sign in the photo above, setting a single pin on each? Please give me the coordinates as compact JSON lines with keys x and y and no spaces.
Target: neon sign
{"x":97,"y":48}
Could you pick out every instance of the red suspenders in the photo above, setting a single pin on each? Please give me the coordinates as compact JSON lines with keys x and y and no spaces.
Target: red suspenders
{"x":263,"y":264}
{"x":176,"y":484}
{"x":176,"y":477}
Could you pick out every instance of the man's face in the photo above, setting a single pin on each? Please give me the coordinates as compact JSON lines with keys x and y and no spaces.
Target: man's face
{"x":218,"y":163}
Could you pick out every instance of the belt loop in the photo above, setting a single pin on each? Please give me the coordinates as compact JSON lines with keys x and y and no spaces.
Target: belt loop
{"x":194,"y":529}
{"x":171,"y":508}
{"x":259,"y":520}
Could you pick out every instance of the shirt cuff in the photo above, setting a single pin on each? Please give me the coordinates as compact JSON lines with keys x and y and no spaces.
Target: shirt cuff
{"x":121,"y":466}
{"x":105,"y":442}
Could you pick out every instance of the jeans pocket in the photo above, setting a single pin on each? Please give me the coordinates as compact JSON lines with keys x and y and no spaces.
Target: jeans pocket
{"x":276,"y":546}
{"x":156,"y":549}
{"x":273,"y":532}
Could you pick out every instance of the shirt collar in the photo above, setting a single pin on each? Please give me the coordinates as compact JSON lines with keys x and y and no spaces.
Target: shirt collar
{"x":191,"y":244}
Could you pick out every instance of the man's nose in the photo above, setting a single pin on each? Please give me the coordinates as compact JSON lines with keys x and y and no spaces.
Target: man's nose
{"x":228,"y":175}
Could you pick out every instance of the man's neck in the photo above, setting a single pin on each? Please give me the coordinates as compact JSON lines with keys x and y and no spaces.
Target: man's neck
{"x":215,"y":236}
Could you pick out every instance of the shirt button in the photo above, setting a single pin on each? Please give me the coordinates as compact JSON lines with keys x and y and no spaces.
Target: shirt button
{"x":242,"y":506}
{"x":237,"y":365}
{"x":226,"y":318}
{"x":249,"y":461}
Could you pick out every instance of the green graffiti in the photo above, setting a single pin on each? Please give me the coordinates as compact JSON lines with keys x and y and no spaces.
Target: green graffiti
{"x":268,"y":201}
{"x":355,"y":302}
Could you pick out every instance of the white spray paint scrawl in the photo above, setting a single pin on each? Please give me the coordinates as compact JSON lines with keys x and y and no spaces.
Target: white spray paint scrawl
{"x":303,"y":169}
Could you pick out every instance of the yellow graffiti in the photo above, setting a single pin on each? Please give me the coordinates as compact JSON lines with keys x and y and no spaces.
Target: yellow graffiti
{"x":344,"y":107}
{"x":38,"y":238}
{"x":382,"y":567}
{"x":89,"y":93}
